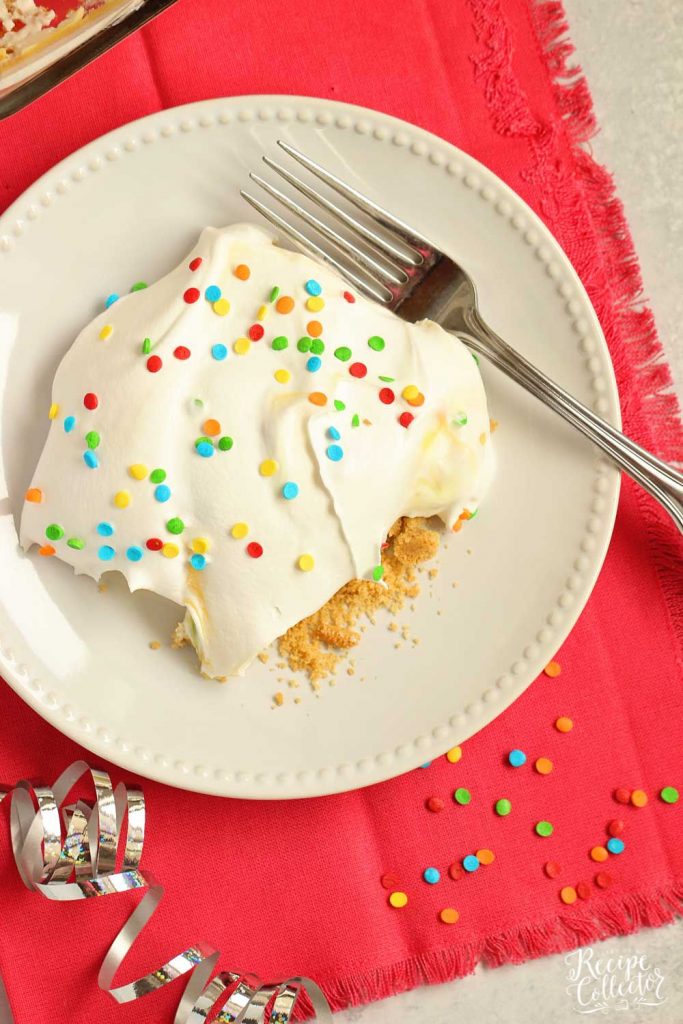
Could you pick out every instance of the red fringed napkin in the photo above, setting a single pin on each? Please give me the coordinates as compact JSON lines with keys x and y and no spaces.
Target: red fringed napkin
{"x":294,"y":889}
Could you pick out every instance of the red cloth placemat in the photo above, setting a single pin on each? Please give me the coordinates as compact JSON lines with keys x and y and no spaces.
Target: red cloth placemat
{"x":289,"y":889}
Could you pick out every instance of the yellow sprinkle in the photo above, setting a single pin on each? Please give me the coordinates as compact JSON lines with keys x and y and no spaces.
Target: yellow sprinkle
{"x":239,"y":531}
{"x":411,"y":391}
{"x":54,"y":411}
{"x":106,"y":332}
{"x":268,"y":467}
{"x":138,"y":471}
{"x":454,"y":754}
{"x":122,"y":499}
{"x":482,"y":439}
{"x":398,"y":899}
{"x":282,"y":376}
{"x":170,"y":550}
{"x":200,"y":545}
{"x":315,"y":303}
{"x":262,"y":313}
{"x":221,"y":307}
{"x":242,"y":346}
{"x":306,"y":563}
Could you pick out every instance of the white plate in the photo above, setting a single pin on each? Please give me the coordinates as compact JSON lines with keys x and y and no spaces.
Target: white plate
{"x":128,"y":207}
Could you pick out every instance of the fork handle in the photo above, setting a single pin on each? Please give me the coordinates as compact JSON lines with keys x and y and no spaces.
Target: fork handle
{"x":662,"y":481}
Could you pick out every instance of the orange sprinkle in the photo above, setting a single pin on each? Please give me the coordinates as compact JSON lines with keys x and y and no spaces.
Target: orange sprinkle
{"x":564,"y":724}
{"x":243,"y":272}
{"x":568,"y":894}
{"x":211,"y":427}
{"x":317,"y":398}
{"x":639,"y":798}
{"x":449,"y":915}
{"x":493,"y":426}
{"x":285,"y":304}
{"x":457,"y":526}
{"x":485,"y":856}
{"x":553,"y":669}
{"x":46,"y":550}
{"x":34,"y":494}
{"x":419,"y":399}
{"x":599,"y":854}
{"x":314,"y":328}
{"x":543,"y":765}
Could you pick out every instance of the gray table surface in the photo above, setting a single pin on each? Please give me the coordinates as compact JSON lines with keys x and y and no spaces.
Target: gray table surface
{"x":632,"y":54}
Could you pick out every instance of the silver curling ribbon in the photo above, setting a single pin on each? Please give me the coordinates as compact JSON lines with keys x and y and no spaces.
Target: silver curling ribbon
{"x":77,"y":851}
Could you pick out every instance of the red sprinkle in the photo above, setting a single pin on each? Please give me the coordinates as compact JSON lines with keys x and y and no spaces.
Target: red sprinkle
{"x":256,"y":332}
{"x":154,"y":544}
{"x":91,"y":401}
{"x":455,"y":871}
{"x":358,"y":369}
{"x":603,"y":880}
{"x":622,"y":796}
{"x":191,"y":295}
{"x":387,"y":396}
{"x":615,"y":827}
{"x":349,"y":297}
{"x":583,"y":890}
{"x":181,"y":352}
{"x":390,"y":882}
{"x":154,"y":364}
{"x":435,"y":803}
{"x":405,"y":419}
{"x":552,"y":868}
{"x":254,"y":549}
{"x":196,"y":263}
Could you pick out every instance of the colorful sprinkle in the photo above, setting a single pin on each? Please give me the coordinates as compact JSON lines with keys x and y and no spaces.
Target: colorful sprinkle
{"x":204,"y":448}
{"x":274,"y":292}
{"x":470,"y":862}
{"x":355,"y":420}
{"x":485,"y":856}
{"x":313,"y":287}
{"x":552,"y":868}
{"x":106,"y":553}
{"x":343,"y":353}
{"x":280,"y":343}
{"x":317,"y":346}
{"x":543,"y":765}
{"x":564,"y":724}
{"x":615,"y":827}
{"x":317,"y":398}
{"x":77,"y":543}
{"x":254,"y":549}
{"x":122,"y":499}
{"x":376,"y":343}
{"x":553,"y":669}
{"x":386,"y":395}
{"x":219,"y":352}
{"x":69,"y":424}
{"x":191,"y":295}
{"x":46,"y":550}
{"x":314,"y":328}
{"x":201,"y":545}
{"x":242,"y":272}
{"x":91,"y":401}
{"x":182,"y":352}
{"x":517,"y":758}
{"x":455,"y":871}
{"x":211,"y":427}
{"x":139,"y":286}
{"x":358,"y":370}
{"x":35,"y":495}
{"x":225,"y":443}
{"x":378,"y":573}
{"x":449,"y":915}
{"x":162,"y":492}
{"x":154,"y":364}
{"x":669,"y":795}
{"x":454,"y":754}
{"x":410,"y":392}
{"x":105,"y":529}
{"x":315,"y":304}
{"x":405,"y":419}
{"x":603,"y":880}
{"x":175,"y":525}
{"x":110,"y":300}
{"x":154,"y":544}
{"x":170,"y":550}
{"x":339,"y":405}
{"x":290,"y":490}
{"x":583,"y":890}
{"x":90,"y":459}
{"x":134,"y":553}
{"x":398,"y":900}
{"x":460,"y":420}
{"x":196,"y":263}
{"x":431,"y":875}
{"x":197,"y":562}
{"x":239,"y":531}
{"x":334,"y":453}
{"x":304,"y":344}
{"x":462,"y":796}
{"x":106,"y":332}
{"x":386,"y":380}
{"x":221,"y":307}
{"x":285,"y":304}
{"x":543,"y":828}
{"x":502,"y":807}
{"x":137,"y":471}
{"x":212,"y":293}
{"x":256,"y":332}
{"x":639,"y":798}
{"x":54,"y":532}
{"x":92,"y":439}
{"x":435,"y":804}
{"x":282,"y":376}
{"x":349,"y":297}
{"x":333,"y":433}
{"x":306,"y":563}
{"x":242,"y":346}
{"x":568,"y":895}
{"x":599,"y":854}
{"x":622,"y":795}
{"x":313,"y":364}
{"x":157,"y":476}
{"x":615,"y":845}
{"x":268,"y":467}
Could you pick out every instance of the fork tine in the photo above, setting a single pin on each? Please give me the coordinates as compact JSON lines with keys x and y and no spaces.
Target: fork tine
{"x":403,"y":230}
{"x":385,"y":245}
{"x":388,"y":273}
{"x":368,"y":286}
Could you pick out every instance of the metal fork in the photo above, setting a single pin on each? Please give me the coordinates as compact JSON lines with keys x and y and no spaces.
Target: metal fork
{"x":390,"y":262}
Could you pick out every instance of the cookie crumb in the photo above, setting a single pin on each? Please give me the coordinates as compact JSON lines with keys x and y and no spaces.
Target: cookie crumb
{"x":263,"y":657}
{"x":279,"y":698}
{"x":102,"y":587}
{"x":154,"y":645}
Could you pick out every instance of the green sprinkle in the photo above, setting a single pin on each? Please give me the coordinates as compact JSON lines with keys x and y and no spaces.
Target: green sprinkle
{"x":54,"y":532}
{"x":317,"y":346}
{"x":669,"y":795}
{"x":139,"y":286}
{"x":201,"y":440}
{"x":462,"y":796}
{"x":544,"y":828}
{"x":225,"y":444}
{"x":376,"y":343}
{"x":92,"y":439}
{"x":273,"y":295}
{"x":460,"y":420}
{"x":198,"y":402}
{"x":304,"y":344}
{"x":377,"y":573}
{"x":503,"y":807}
{"x":146,"y":346}
{"x":475,"y":357}
{"x":355,"y":422}
{"x":343,"y":353}
{"x":157,"y":476}
{"x":76,"y":542}
{"x":175,"y":525}
{"x":280,"y":342}
{"x":339,"y":405}
{"x":387,"y":380}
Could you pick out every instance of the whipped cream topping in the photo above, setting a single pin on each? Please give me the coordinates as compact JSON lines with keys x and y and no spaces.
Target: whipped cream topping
{"x":240,"y":436}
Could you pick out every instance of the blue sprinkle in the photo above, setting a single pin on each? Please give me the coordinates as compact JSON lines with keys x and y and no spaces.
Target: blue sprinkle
{"x":426,"y":764}
{"x":219,"y":352}
{"x":290,"y":490}
{"x":69,"y":424}
{"x":110,"y":300}
{"x":335,"y":453}
{"x":312,"y":287}
{"x":134,"y":553}
{"x":470,"y":862}
{"x":105,"y":529}
{"x":213,"y":293}
{"x":162,"y":492}
{"x":90,"y":459}
{"x":334,"y":434}
{"x":106,"y":553}
{"x":616,"y":845}
{"x":314,"y":364}
{"x":205,"y":449}
{"x":517,"y":758}
{"x":198,"y":562}
{"x":432,"y":875}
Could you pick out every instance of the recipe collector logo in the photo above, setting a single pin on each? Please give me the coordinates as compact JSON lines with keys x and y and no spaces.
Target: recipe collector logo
{"x":601,"y":984}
